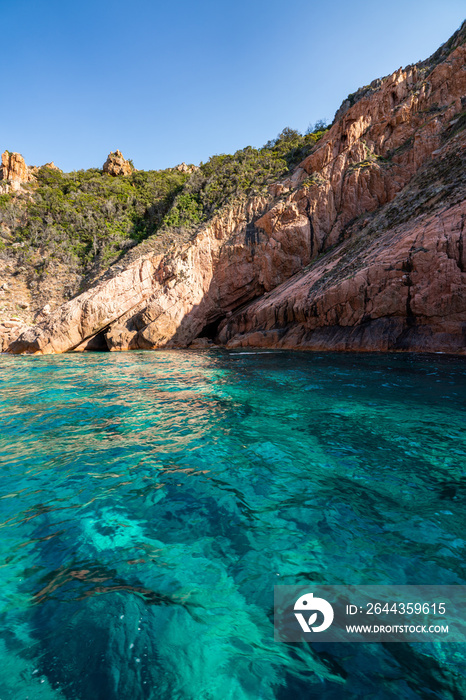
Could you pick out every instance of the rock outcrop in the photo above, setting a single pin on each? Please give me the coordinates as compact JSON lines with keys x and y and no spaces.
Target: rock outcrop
{"x":34,"y":169}
{"x":116,"y":164}
{"x":184,"y":168}
{"x":13,"y":171}
{"x":167,"y":300}
{"x":361,"y":248}
{"x":10,"y":330}
{"x":85,"y":316}
{"x":399,"y":282}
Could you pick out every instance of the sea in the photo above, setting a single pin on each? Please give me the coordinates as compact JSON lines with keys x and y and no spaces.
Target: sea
{"x":150,"y":502}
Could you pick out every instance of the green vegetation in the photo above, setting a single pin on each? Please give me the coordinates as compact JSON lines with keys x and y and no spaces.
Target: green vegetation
{"x":370,"y":159}
{"x":226,"y":178}
{"x":312,"y":180}
{"x":186,"y":212}
{"x":5,"y":198}
{"x":87,"y":217}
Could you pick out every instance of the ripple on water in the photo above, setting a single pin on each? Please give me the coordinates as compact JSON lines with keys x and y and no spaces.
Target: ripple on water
{"x":150,"y":501}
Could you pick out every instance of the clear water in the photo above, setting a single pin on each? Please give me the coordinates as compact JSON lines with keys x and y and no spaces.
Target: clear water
{"x":150,"y":502}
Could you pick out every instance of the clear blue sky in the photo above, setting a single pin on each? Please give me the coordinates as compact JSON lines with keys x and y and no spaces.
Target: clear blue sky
{"x":176,"y":81}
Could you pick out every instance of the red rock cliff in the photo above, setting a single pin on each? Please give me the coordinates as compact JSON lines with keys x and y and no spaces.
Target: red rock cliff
{"x":13,"y":170}
{"x":361,"y":248}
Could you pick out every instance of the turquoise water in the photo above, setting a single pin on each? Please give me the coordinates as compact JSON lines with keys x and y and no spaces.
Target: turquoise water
{"x":151,"y":501}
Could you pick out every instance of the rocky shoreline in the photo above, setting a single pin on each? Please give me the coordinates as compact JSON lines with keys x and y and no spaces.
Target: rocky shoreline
{"x":361,"y":248}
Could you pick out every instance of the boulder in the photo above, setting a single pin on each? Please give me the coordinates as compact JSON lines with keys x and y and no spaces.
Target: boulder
{"x":116,"y":165}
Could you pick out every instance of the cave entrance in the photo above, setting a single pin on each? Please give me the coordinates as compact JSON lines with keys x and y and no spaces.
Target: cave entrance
{"x":210,"y":330}
{"x":98,"y":343}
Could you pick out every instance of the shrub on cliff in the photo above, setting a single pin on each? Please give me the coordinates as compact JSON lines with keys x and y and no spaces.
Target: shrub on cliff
{"x":186,"y":211}
{"x":247,"y":172}
{"x":81,"y":216}
{"x":84,"y":217}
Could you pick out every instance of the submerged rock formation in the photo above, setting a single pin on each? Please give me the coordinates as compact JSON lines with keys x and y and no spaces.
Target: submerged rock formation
{"x":360,"y":248}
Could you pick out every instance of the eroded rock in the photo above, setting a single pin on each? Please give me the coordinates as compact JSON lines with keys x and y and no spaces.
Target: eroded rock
{"x":13,"y":171}
{"x":388,"y":287}
{"x":390,"y":268}
{"x":184,"y":168}
{"x":116,"y":165}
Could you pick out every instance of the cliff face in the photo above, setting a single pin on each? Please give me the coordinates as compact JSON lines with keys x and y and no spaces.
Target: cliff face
{"x":13,"y":171}
{"x":167,"y":300}
{"x":397,"y":284}
{"x":361,"y":248}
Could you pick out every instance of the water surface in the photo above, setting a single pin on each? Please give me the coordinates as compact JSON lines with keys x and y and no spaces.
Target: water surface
{"x":150,"y":501}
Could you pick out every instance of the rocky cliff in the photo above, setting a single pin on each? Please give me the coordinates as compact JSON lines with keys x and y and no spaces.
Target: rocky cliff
{"x":397,"y":283}
{"x":360,"y":247}
{"x":13,"y":171}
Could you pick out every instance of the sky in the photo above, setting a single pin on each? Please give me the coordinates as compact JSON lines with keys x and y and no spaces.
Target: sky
{"x":167,"y":82}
